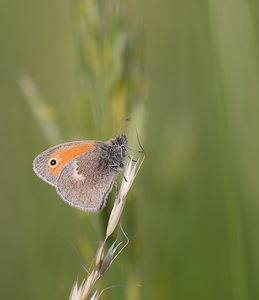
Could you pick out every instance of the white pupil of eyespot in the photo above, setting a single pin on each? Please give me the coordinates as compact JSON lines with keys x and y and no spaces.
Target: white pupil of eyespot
{"x":52,"y":162}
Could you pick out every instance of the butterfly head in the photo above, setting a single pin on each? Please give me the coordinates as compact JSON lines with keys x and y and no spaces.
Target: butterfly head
{"x":117,"y":151}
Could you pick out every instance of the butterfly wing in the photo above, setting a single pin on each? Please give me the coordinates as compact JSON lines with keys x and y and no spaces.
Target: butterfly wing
{"x":49,"y":163}
{"x":86,"y":181}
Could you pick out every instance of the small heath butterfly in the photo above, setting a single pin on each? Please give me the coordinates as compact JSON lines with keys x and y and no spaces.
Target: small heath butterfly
{"x":83,"y":172}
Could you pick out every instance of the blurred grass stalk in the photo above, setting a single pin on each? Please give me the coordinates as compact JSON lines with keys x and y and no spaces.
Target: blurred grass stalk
{"x":237,"y":77}
{"x":111,"y":68}
{"x":44,"y":114}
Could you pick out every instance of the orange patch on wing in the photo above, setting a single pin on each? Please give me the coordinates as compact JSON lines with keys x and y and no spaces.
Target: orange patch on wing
{"x":66,"y":154}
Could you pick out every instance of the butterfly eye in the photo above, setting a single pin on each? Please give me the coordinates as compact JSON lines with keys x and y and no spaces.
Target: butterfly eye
{"x":53,"y":162}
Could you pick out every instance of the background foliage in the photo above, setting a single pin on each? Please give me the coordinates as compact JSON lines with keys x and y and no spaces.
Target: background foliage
{"x":188,"y":76}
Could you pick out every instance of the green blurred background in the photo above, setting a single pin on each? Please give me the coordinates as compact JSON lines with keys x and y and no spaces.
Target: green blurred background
{"x":192,"y":216}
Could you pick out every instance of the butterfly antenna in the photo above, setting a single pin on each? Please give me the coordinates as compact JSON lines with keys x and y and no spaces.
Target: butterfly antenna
{"x":131,"y":157}
{"x":143,"y":151}
{"x":126,"y":120}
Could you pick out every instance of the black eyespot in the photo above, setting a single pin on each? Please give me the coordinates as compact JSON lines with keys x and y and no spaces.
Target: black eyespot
{"x":53,"y":162}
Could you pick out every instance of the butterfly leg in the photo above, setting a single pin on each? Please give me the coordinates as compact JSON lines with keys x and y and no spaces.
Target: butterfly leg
{"x":114,"y":169}
{"x":131,"y":158}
